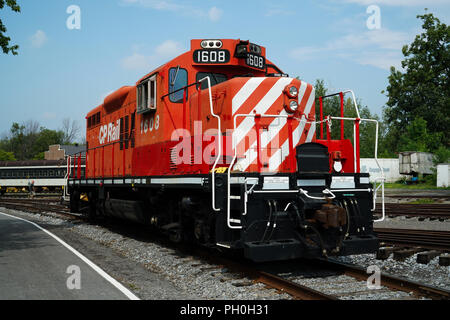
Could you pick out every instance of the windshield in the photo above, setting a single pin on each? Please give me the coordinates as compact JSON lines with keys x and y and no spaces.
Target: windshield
{"x":215,"y":78}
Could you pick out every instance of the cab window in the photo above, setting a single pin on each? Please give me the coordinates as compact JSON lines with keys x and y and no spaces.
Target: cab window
{"x":215,"y":78}
{"x":146,"y":95}
{"x":178,"y":79}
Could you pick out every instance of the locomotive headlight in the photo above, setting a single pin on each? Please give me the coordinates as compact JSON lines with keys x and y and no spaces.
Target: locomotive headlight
{"x":293,"y":92}
{"x":211,"y":44}
{"x":293,"y":105}
{"x":337,"y":166}
{"x":241,"y":51}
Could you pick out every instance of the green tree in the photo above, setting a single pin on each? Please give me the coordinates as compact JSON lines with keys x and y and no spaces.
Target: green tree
{"x":417,"y":137}
{"x":46,"y":138}
{"x":4,"y":40}
{"x":6,"y":156}
{"x":29,"y":141}
{"x":422,"y":90}
{"x":332,"y":107}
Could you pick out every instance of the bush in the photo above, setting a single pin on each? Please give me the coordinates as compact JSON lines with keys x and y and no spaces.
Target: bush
{"x":441,"y":155}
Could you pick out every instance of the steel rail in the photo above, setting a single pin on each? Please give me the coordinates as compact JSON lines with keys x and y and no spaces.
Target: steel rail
{"x":391,"y":281}
{"x":430,"y":239}
{"x":296,"y":290}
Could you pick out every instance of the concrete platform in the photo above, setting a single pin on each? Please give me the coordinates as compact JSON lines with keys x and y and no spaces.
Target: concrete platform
{"x":37,"y":265}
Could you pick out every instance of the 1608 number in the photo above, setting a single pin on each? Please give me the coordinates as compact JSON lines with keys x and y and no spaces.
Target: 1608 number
{"x":211,"y":56}
{"x":256,"y":61}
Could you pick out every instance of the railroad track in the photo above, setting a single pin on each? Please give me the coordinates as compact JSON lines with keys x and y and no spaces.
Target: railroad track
{"x":41,"y":206}
{"x":282,"y":283}
{"x":430,"y":211}
{"x":393,"y":282}
{"x":14,"y":195}
{"x":417,"y":196}
{"x":346,"y":281}
{"x":429,"y":239}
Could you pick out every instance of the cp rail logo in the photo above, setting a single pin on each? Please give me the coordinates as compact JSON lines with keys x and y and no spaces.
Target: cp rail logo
{"x":109,"y":132}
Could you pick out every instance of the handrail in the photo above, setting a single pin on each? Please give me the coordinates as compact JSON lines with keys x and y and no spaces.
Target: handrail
{"x":357,"y":120}
{"x":325,"y":191}
{"x":341,"y":95}
{"x":382,"y":178}
{"x":219,"y":156}
{"x":235,"y":158}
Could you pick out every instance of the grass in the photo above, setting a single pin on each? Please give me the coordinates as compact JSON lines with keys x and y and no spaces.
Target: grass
{"x":423,"y":201}
{"x":419,"y":186}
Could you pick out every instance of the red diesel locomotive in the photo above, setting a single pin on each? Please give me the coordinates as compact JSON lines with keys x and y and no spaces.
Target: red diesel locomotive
{"x":219,"y":147}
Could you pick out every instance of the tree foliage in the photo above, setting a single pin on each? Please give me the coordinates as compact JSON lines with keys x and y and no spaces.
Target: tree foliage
{"x":421,"y":93}
{"x":4,"y":40}
{"x":418,"y":138}
{"x":29,"y":141}
{"x":6,"y":156}
{"x":332,"y":107}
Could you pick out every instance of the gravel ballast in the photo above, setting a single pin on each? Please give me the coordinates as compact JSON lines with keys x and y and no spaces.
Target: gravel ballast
{"x":157,"y":272}
{"x":180,"y":276}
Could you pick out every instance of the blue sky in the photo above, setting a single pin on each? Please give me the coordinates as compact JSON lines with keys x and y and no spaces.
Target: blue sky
{"x":63,"y":73}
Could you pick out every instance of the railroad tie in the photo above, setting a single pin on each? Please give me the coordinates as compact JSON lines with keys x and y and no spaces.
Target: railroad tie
{"x":444,"y":260}
{"x":385,"y":252}
{"x":406,"y":253}
{"x":426,"y":257}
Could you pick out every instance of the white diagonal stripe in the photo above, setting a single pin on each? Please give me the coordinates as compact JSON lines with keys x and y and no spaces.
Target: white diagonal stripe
{"x":308,"y":107}
{"x":277,"y":158}
{"x":301,"y":91}
{"x":246,"y":91}
{"x":311,"y":132}
{"x":265,"y":140}
{"x":263,"y":105}
{"x":296,"y":135}
{"x":275,"y":161}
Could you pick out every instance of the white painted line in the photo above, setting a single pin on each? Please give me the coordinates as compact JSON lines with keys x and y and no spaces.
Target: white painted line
{"x":96,"y":268}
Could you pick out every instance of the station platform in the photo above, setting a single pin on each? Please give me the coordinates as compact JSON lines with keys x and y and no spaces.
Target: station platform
{"x":37,"y":265}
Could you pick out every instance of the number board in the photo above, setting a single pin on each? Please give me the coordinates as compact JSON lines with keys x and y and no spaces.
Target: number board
{"x":255,"y":61}
{"x":211,"y":56}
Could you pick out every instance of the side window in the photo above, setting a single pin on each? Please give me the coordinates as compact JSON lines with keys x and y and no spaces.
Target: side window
{"x":146,"y":95}
{"x":215,"y":78}
{"x":178,"y":79}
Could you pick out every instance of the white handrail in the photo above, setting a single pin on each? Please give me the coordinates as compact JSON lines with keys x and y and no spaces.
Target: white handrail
{"x":235,"y":157}
{"x":382,"y":178}
{"x":326,"y":191}
{"x":219,"y":156}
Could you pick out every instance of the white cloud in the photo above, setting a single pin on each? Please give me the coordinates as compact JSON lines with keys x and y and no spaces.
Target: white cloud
{"x":137,"y":62}
{"x":38,"y":39}
{"x":154,"y":4}
{"x":215,"y":14}
{"x":49,"y":115}
{"x":379,"y":48}
{"x":165,"y":51}
{"x":399,"y":3}
{"x":169,"y":48}
{"x":278,"y":10}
